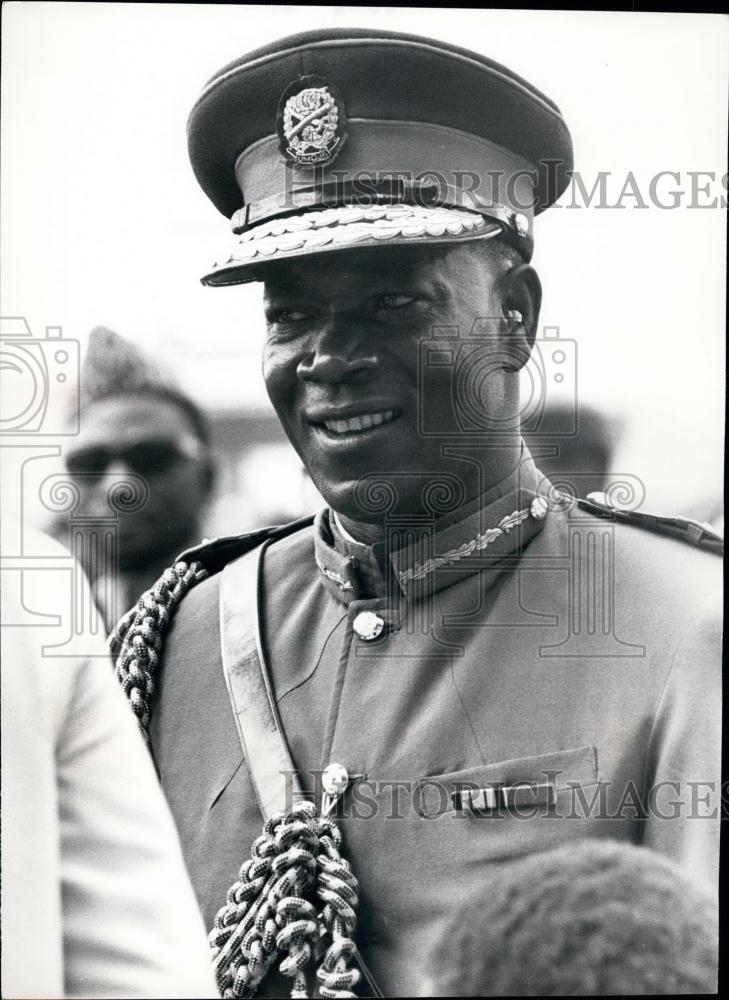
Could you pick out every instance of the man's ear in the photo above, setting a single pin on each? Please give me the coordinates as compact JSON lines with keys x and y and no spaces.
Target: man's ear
{"x":521,"y":298}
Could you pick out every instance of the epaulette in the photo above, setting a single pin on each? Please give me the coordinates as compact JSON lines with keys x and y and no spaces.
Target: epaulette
{"x":215,"y":554}
{"x":697,"y":533}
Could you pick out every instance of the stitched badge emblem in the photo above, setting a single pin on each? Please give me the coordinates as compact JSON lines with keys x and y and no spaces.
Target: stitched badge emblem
{"x":311,"y":121}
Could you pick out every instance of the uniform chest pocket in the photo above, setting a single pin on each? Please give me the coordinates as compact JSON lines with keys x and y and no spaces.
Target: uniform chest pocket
{"x":518,"y":786}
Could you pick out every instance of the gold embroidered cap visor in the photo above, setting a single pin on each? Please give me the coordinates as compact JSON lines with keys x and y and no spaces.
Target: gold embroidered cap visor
{"x":348,"y":138}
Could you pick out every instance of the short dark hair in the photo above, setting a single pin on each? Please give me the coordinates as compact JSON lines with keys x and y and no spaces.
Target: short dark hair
{"x":586,"y":918}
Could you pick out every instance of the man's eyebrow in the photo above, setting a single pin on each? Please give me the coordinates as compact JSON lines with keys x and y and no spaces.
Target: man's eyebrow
{"x":285,"y":286}
{"x":428,"y":286}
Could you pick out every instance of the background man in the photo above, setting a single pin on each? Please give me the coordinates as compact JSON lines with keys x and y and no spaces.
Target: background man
{"x":142,"y":457}
{"x":451,"y":643}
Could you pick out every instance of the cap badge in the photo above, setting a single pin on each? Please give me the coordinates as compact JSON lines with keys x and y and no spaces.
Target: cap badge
{"x":311,"y":122}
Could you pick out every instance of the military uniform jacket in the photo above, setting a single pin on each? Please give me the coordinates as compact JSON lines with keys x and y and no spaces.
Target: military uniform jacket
{"x":544,"y":674}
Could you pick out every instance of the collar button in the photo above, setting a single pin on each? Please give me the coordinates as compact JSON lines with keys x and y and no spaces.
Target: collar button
{"x":538,"y":508}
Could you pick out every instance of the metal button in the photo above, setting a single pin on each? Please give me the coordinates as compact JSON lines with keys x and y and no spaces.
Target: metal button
{"x":539,"y":508}
{"x":334,"y":779}
{"x":368,"y":625}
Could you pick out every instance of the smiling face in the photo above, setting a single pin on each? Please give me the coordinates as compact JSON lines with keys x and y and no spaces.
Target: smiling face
{"x":341,"y":362}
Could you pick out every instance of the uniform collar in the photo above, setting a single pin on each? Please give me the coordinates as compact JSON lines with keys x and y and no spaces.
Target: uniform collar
{"x":426,"y":556}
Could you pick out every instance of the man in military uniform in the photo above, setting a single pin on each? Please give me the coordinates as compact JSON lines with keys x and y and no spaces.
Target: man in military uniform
{"x":458,"y":662}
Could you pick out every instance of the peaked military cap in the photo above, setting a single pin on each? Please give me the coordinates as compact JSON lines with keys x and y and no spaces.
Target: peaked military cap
{"x":337,"y":139}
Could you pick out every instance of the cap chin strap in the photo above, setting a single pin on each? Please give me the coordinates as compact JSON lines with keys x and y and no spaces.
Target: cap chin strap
{"x":390,"y":191}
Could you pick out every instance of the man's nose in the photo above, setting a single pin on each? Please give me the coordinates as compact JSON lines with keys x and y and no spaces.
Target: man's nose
{"x":117,"y":469}
{"x":341,"y":353}
{"x":112,"y":479}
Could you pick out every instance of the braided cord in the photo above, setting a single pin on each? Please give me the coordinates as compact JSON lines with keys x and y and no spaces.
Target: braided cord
{"x":296,"y":863}
{"x":139,"y":636}
{"x":267,"y":910}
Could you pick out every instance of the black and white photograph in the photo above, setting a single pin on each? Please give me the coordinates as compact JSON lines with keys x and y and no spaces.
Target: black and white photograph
{"x":362,"y":448}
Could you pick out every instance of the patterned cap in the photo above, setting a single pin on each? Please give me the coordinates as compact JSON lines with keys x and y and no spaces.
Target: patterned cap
{"x":114,"y":366}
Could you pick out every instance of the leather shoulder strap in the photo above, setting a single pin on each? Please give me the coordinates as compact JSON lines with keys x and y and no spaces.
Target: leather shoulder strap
{"x":266,"y":753}
{"x":214,"y":554}
{"x":256,"y":716}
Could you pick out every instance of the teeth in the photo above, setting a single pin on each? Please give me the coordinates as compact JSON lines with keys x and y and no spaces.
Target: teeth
{"x":362,"y":423}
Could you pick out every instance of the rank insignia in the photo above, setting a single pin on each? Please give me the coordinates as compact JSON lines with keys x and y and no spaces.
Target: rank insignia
{"x":311,"y":122}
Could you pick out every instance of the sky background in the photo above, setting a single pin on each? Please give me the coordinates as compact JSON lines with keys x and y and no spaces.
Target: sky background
{"x":103,"y":222}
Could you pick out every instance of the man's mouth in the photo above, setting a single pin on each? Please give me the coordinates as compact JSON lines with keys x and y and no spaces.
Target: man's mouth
{"x":361,"y":423}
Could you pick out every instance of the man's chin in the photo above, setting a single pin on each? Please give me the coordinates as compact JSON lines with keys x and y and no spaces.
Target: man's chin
{"x":374,"y":498}
{"x":364,"y":500}
{"x":133,"y":555}
{"x":139,"y":549}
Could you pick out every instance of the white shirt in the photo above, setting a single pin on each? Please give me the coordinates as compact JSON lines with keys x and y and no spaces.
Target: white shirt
{"x":96,"y":898}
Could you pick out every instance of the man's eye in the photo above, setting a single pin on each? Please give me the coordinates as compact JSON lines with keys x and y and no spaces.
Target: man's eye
{"x":288,"y":316}
{"x":396,"y":301}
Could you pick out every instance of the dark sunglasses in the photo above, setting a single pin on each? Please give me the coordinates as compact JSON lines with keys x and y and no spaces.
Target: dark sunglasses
{"x":146,"y":458}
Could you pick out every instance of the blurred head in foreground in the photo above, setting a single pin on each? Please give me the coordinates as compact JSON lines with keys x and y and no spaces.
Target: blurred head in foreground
{"x":596,"y":918}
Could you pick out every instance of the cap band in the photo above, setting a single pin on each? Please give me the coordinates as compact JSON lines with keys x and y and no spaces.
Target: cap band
{"x":453,"y":167}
